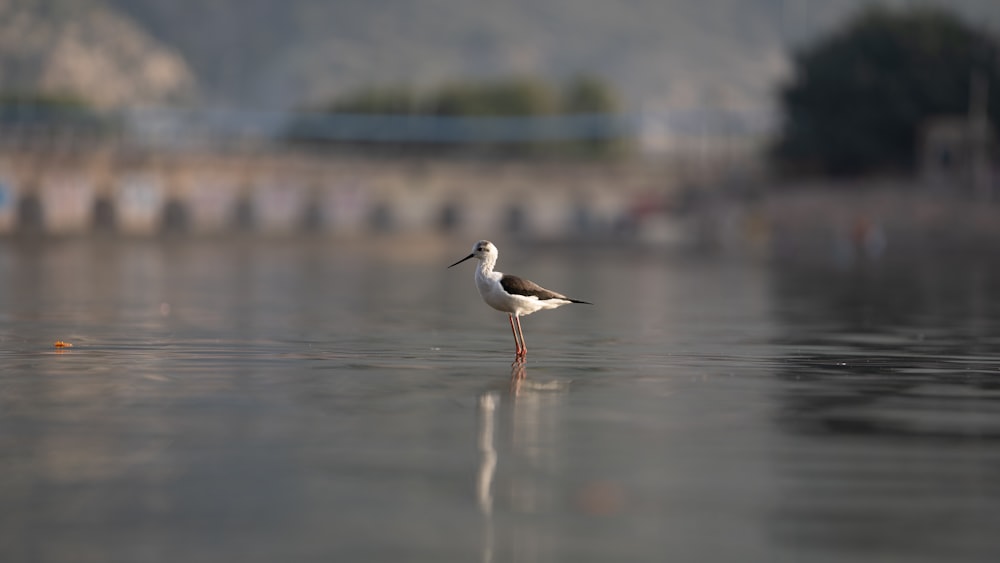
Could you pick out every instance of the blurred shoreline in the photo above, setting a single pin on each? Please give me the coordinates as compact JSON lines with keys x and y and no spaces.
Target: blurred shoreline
{"x":709,"y":202}
{"x":283,"y":191}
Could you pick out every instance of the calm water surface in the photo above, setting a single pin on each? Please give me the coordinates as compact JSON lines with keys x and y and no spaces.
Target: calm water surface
{"x":316,"y":401}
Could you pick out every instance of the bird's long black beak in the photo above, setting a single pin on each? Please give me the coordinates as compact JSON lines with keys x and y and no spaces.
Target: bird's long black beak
{"x":462,"y":260}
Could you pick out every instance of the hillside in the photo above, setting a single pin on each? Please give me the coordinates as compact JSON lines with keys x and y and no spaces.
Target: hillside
{"x":283,"y":53}
{"x":658,"y":53}
{"x":83,"y":48}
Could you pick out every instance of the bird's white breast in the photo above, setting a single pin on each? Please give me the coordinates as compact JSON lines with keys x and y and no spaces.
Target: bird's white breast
{"x":488,"y":284}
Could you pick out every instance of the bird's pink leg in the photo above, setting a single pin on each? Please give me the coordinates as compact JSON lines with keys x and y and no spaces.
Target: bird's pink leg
{"x":524,"y":346}
{"x":517,"y":343}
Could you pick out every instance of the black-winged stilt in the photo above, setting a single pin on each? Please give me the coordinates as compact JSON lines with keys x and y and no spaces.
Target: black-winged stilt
{"x":512,"y":295}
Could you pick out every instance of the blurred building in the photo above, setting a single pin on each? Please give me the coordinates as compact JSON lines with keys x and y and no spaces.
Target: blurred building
{"x":960,"y":151}
{"x":958,"y":154}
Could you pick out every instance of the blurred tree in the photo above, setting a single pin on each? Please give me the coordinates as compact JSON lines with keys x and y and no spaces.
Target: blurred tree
{"x":63,"y":111}
{"x":860,"y":95}
{"x":43,"y":100}
{"x":381,"y":100}
{"x":507,"y":97}
{"x":588,"y":94}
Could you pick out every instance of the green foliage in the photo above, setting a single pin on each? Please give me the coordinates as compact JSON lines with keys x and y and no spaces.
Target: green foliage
{"x":508,"y":97}
{"x":588,"y":94}
{"x":386,"y":100}
{"x":511,"y":97}
{"x":42,"y":100}
{"x":585,"y":95}
{"x":861,"y":95}
{"x":65,"y":112}
{"x":518,"y":96}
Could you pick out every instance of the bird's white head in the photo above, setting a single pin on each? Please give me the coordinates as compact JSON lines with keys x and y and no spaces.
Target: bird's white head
{"x":484,"y":251}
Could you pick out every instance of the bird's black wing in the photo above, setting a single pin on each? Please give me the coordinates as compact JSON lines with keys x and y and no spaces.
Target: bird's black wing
{"x":520,"y":286}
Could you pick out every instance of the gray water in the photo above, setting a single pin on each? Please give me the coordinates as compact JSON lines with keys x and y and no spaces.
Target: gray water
{"x":316,"y":401}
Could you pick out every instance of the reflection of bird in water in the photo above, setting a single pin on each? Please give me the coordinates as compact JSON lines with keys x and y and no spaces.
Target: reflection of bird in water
{"x":487,"y":469}
{"x":511,"y":294}
{"x":488,"y":454}
{"x":518,"y":444}
{"x":517,"y":376}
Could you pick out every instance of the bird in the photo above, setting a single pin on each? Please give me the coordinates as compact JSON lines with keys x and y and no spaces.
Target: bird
{"x":510,"y":294}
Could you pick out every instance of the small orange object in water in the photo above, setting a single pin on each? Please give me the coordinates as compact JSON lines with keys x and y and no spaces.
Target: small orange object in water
{"x":61,"y":344}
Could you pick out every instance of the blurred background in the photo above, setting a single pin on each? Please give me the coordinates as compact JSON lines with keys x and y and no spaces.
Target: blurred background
{"x":706,"y":123}
{"x":238,"y":213}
